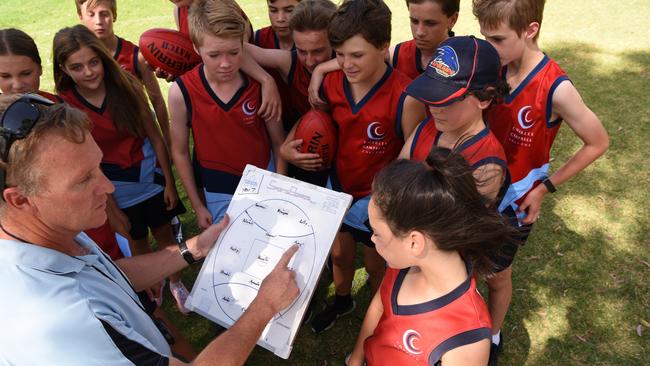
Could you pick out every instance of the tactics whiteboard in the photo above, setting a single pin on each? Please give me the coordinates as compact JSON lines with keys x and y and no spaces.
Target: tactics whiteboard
{"x":269,"y":213}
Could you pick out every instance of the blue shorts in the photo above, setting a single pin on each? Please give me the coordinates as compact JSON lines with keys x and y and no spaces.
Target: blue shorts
{"x":356,"y":222}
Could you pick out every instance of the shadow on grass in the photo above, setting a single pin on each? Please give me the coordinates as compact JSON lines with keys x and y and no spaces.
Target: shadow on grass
{"x":578,"y":292}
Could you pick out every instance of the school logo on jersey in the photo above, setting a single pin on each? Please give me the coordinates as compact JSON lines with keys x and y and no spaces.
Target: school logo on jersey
{"x":248,"y":107}
{"x":411,"y":341}
{"x":375,"y":144}
{"x":525,"y":118}
{"x":376,"y":131}
{"x":445,"y":62}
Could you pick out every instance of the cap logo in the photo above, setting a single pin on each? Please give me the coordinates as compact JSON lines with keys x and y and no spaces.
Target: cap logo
{"x":445,"y":62}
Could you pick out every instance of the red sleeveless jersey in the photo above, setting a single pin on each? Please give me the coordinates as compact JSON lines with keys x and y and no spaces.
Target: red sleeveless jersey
{"x":183,"y":26}
{"x":119,"y":148}
{"x":104,"y":237}
{"x":481,"y":149}
{"x":126,"y":55}
{"x":522,"y":123}
{"x":266,"y":38}
{"x":421,"y":334}
{"x":370,"y":131}
{"x":298,"y":81}
{"x":227,"y":135}
{"x":406,"y":58}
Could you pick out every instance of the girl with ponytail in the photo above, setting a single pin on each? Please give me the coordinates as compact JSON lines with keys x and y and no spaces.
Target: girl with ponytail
{"x":435,"y":231}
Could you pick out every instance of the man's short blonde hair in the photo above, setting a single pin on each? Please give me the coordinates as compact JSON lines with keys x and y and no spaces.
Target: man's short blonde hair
{"x":219,"y":18}
{"x":21,"y":168}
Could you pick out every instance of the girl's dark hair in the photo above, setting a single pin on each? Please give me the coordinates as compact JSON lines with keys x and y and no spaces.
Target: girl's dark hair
{"x":18,"y":43}
{"x":439,"y":198}
{"x":370,"y":18}
{"x":496,"y":92}
{"x":125,"y":98}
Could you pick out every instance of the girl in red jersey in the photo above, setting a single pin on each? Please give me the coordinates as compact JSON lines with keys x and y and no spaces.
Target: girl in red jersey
{"x":20,"y":64}
{"x":20,"y":72}
{"x":435,"y":232}
{"x":135,"y":155}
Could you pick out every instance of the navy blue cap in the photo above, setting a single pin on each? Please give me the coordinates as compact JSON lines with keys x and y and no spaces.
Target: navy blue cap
{"x":459,"y":66}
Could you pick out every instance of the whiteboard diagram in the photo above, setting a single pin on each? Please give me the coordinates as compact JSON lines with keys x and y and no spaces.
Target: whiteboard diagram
{"x":269,"y":213}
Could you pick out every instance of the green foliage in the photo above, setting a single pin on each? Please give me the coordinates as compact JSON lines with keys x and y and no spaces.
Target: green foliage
{"x":581,"y":284}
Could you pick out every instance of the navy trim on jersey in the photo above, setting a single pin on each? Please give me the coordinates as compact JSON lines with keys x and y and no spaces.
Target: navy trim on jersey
{"x":118,"y":49}
{"x":217,"y":181}
{"x":256,"y":37}
{"x":461,"y":339}
{"x":187,"y":100}
{"x":117,"y":173}
{"x":472,"y":140}
{"x":430,"y":305}
{"x":549,"y":102}
{"x":509,"y":98}
{"x":398,"y":117}
{"x":99,"y":110}
{"x":136,"y":49}
{"x":418,"y":60}
{"x":490,"y":160}
{"x":396,"y":54}
{"x":418,"y":130}
{"x":348,"y":92}
{"x":276,"y":40}
{"x":134,"y":351}
{"x":235,"y":98}
{"x":292,"y":68}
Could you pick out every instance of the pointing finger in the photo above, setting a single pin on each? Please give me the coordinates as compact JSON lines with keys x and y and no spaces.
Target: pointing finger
{"x":286,"y":257}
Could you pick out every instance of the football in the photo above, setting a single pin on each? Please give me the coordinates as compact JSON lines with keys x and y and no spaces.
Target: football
{"x":169,"y":50}
{"x":319,"y":135}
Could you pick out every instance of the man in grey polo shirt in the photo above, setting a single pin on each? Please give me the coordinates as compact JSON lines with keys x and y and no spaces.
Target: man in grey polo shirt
{"x":64,"y":302}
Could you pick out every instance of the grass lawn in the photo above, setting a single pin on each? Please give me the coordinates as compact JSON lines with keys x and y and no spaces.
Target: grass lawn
{"x":582,"y":283}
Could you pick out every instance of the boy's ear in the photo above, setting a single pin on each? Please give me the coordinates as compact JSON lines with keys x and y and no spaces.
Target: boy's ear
{"x":484,"y":104}
{"x":532,"y":30}
{"x":452,"y":21}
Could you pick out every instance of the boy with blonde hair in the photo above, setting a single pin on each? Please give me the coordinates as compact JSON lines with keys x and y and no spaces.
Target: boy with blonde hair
{"x":527,"y":122}
{"x":219,"y":104}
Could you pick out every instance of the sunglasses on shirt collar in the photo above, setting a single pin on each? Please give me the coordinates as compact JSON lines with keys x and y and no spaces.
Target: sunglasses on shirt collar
{"x":17,"y":122}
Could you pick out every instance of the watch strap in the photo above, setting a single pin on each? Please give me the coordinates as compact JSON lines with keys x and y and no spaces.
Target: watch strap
{"x":187,"y":255}
{"x":549,"y":185}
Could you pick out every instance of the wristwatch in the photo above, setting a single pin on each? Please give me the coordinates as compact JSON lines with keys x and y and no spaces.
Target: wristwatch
{"x":549,"y":185}
{"x":187,"y":255}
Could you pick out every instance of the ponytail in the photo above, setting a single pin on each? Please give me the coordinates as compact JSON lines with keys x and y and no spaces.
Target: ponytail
{"x":439,"y":198}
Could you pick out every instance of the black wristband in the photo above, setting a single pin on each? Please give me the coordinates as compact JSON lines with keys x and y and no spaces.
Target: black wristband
{"x":187,"y":255}
{"x":549,"y":185}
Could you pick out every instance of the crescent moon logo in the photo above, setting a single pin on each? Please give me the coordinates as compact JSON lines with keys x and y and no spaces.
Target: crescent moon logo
{"x":524,"y":117}
{"x":411,"y":340}
{"x":248,"y":107}
{"x":375,"y":131}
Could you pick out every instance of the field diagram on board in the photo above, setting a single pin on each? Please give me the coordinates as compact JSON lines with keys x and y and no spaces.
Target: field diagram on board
{"x":269,"y":213}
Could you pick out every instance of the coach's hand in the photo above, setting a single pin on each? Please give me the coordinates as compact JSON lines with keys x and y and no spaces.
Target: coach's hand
{"x":279,"y":288}
{"x":201,"y":244}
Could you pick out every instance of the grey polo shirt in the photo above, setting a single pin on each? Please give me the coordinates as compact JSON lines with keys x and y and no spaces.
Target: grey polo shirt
{"x":62,"y":310}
